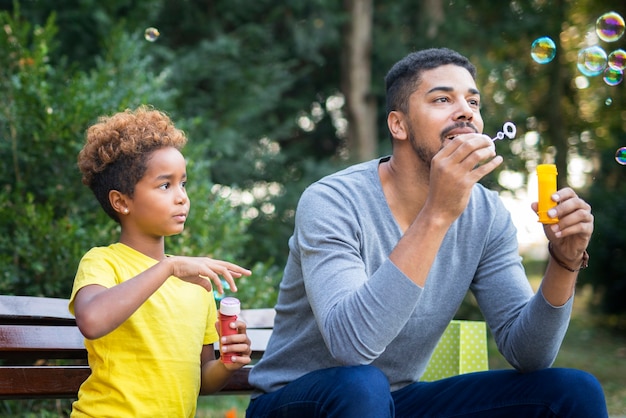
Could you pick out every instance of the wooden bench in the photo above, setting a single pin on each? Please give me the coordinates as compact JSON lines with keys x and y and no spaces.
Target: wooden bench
{"x":42,"y":354}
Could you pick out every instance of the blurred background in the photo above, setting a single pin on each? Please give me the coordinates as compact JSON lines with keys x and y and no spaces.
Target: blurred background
{"x":274,"y":95}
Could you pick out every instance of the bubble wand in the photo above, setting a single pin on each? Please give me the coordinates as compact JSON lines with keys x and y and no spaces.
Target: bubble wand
{"x":508,"y":130}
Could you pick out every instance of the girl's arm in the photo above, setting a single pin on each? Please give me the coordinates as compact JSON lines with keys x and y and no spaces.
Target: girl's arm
{"x":100,"y":310}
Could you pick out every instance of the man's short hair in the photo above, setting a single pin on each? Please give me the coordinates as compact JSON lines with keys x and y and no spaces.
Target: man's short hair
{"x":403,"y":78}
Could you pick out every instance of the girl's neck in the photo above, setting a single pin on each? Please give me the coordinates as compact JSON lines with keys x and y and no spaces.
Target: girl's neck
{"x":152,"y":247}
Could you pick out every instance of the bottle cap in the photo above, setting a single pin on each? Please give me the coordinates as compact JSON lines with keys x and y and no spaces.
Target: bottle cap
{"x":230,"y":306}
{"x":546,"y":169}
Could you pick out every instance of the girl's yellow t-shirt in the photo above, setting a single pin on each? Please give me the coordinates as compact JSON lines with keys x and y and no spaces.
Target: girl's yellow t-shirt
{"x":150,"y":365}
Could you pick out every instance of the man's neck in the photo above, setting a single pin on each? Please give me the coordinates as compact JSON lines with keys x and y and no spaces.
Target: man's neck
{"x":405,"y":189}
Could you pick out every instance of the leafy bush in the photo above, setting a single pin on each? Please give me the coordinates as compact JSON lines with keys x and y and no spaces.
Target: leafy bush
{"x":48,"y":219}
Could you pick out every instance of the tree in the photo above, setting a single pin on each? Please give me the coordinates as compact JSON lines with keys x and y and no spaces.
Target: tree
{"x":356,"y":79}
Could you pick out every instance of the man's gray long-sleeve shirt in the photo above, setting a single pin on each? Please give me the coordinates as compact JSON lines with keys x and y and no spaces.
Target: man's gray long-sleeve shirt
{"x":343,"y":302}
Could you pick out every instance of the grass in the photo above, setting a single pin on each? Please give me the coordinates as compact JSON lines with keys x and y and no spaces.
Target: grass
{"x":223,"y":406}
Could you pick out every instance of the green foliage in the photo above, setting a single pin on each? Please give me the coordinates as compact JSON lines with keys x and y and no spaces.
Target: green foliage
{"x":48,"y":219}
{"x":30,"y":408}
{"x":607,"y":248}
{"x":217,"y":229}
{"x":40,"y":251}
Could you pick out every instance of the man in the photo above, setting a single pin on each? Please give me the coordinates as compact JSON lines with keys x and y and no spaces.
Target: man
{"x":370,"y":286}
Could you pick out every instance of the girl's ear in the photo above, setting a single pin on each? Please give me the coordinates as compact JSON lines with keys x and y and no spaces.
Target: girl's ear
{"x":396,"y":125}
{"x":118,"y":202}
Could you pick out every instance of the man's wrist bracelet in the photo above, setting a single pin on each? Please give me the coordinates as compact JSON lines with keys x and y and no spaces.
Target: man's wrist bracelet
{"x":584,"y":263}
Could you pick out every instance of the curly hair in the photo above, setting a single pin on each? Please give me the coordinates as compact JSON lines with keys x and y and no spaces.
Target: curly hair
{"x":117,"y":150}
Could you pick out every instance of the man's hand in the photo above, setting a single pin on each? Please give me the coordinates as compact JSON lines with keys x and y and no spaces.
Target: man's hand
{"x":456,"y":168}
{"x":570,"y":236}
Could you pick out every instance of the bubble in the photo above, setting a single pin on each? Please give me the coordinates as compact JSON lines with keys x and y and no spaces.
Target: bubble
{"x":620,"y":155}
{"x":612,"y":77}
{"x":592,"y":60}
{"x":617,"y":59}
{"x":543,"y":50}
{"x":608,"y":101}
{"x":151,"y":34}
{"x":610,"y":26}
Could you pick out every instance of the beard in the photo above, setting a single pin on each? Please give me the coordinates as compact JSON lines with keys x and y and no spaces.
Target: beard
{"x":424,"y":154}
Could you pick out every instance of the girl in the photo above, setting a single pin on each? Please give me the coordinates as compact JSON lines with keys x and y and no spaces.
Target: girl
{"x":149,"y":319}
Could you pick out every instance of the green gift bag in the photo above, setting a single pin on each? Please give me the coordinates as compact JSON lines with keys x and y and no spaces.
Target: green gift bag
{"x":461,"y":349}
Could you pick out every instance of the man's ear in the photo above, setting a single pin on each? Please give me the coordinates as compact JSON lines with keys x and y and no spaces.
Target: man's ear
{"x":396,"y":125}
{"x":119,"y":202}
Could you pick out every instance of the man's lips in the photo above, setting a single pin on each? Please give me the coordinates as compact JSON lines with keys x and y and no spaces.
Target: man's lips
{"x":459,"y":131}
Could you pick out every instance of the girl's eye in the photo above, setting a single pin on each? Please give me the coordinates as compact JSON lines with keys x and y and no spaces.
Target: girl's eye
{"x":164,"y":186}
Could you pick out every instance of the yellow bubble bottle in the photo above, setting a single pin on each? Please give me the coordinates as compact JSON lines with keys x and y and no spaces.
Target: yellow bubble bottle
{"x":546,"y":177}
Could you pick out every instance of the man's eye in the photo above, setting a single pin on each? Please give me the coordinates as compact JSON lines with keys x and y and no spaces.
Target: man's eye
{"x":441,"y":99}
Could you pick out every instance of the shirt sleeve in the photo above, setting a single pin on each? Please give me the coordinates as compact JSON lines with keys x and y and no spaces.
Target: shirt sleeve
{"x":527,"y":330}
{"x":92,"y":269}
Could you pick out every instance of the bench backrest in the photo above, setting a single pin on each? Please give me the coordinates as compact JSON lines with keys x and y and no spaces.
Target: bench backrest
{"x":42,"y":352}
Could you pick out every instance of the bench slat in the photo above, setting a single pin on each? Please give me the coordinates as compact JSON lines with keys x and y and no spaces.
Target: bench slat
{"x":52,"y":382}
{"x":42,"y":381}
{"x":258,"y":318}
{"x":56,"y":342}
{"x":35,"y":310}
{"x":40,"y":338}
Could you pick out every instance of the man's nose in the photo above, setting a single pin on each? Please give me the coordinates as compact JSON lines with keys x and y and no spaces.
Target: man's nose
{"x":463,"y":111}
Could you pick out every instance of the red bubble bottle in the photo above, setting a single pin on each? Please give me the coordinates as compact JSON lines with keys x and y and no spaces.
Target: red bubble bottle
{"x":229,"y":309}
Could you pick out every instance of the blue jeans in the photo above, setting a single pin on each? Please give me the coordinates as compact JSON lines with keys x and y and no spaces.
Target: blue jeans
{"x":363,"y":392}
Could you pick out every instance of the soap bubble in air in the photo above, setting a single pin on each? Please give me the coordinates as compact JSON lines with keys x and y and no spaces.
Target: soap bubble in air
{"x":610,"y":26}
{"x":620,"y":156}
{"x":543,"y":50}
{"x":617,"y":59}
{"x":612,"y":77}
{"x":151,"y":34}
{"x":592,"y":60}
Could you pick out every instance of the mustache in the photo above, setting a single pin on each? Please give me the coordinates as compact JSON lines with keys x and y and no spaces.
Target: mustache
{"x":457,"y":125}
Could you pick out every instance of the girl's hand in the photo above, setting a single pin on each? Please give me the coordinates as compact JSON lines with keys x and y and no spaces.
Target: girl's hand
{"x":204,"y":270}
{"x":236,"y":344}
